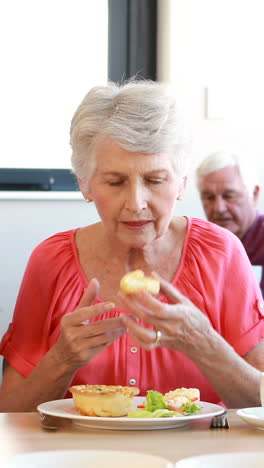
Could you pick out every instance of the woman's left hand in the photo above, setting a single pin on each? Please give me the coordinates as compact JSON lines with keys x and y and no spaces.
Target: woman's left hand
{"x":185,"y":328}
{"x":182,"y":326}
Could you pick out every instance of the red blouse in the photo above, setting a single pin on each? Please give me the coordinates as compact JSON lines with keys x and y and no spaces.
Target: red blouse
{"x":214,"y":273}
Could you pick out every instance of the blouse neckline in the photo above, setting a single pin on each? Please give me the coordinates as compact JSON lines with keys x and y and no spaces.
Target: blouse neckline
{"x":174,"y":280}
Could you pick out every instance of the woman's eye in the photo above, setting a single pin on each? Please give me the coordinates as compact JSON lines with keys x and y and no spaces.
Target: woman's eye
{"x":116,"y":182}
{"x":155,"y":181}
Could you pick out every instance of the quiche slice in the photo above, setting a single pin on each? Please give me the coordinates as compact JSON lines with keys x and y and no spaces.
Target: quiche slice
{"x":103,"y":400}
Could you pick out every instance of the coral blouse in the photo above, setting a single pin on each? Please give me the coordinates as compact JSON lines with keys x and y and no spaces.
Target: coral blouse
{"x":214,"y":273}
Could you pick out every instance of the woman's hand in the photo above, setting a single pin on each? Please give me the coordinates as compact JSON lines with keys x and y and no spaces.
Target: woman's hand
{"x":78,"y":344}
{"x":80,"y":341}
{"x":185,"y":328}
{"x":181,"y":324}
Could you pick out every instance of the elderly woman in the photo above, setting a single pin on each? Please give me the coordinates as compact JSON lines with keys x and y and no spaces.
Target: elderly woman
{"x":73,"y":325}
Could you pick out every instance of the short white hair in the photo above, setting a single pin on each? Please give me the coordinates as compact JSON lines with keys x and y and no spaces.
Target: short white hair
{"x":222,"y":159}
{"x":138,"y":115}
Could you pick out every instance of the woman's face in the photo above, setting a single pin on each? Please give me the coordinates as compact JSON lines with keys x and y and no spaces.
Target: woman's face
{"x":134,"y":193}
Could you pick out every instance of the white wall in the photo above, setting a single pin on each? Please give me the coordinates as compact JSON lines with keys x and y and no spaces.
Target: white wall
{"x":210,"y":50}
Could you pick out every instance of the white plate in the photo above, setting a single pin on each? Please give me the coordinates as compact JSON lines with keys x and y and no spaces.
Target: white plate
{"x":84,"y":459}
{"x":66,"y":409}
{"x":254,"y":416}
{"x":224,"y":460}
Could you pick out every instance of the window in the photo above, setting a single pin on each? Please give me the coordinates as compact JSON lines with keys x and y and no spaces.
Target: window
{"x":52,"y":52}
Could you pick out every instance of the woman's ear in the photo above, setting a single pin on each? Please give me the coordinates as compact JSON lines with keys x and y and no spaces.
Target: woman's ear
{"x":84,"y":188}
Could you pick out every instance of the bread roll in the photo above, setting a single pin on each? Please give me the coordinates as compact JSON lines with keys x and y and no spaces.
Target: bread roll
{"x":136,"y":281}
{"x":103,"y":400}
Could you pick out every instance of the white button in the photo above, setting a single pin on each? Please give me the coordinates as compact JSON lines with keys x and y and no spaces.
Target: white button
{"x":132,"y":381}
{"x":133,"y":349}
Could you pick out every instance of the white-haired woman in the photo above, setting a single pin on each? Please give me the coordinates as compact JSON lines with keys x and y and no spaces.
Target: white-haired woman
{"x":72,"y":325}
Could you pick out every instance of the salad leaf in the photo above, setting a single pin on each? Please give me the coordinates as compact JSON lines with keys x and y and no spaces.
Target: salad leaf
{"x":155,"y":406}
{"x":164,"y":413}
{"x":190,"y":408}
{"x":155,"y":400}
{"x":158,"y":413}
{"x":140,"y":413}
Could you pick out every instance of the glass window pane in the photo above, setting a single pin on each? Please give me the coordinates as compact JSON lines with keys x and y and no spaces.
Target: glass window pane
{"x":51,"y":52}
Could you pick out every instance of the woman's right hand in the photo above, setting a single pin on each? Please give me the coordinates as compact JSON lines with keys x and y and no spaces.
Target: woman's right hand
{"x":77,"y":345}
{"x":80,"y":341}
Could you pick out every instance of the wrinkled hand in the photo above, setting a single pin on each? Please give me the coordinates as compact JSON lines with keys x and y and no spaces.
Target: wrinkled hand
{"x":181,"y":324}
{"x":80,"y":341}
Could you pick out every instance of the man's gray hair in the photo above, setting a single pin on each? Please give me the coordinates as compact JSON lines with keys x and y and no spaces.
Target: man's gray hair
{"x":220,"y":160}
{"x":138,"y":115}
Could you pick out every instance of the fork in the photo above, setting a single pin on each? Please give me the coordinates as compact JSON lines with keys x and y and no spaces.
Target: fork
{"x":220,"y":422}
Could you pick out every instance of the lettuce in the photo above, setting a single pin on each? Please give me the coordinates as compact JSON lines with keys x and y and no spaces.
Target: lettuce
{"x":190,"y":408}
{"x":164,"y":413}
{"x":158,"y":413}
{"x":140,"y":413}
{"x":156,"y":407}
{"x":155,"y":400}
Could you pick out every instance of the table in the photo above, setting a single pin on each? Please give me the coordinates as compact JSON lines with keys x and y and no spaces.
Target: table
{"x":22,"y":432}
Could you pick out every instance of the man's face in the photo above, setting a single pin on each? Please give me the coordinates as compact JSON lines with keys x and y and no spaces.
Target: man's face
{"x":227,"y":202}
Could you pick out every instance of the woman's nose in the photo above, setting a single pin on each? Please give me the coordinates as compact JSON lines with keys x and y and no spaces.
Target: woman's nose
{"x":136,"y":198}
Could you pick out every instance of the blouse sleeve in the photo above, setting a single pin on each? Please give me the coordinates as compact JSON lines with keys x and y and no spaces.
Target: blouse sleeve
{"x":219,"y":279}
{"x":50,"y":288}
{"x":242,"y":306}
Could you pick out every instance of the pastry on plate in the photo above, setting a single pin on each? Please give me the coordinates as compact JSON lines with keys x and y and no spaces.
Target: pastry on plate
{"x":110,"y":401}
{"x":188,"y":394}
{"x":136,"y":280}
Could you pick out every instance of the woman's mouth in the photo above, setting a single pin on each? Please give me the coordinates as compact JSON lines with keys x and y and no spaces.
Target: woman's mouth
{"x":136,"y":225}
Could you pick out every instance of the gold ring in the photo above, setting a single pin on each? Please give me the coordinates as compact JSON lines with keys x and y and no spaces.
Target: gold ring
{"x":158,"y":337}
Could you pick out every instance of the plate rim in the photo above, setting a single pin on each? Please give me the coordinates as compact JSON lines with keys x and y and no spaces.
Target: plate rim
{"x":242,"y":413}
{"x":223,"y":455}
{"x":86,"y":456}
{"x":36,"y":453}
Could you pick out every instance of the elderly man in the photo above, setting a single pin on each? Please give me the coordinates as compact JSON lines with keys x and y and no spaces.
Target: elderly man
{"x":229,"y":194}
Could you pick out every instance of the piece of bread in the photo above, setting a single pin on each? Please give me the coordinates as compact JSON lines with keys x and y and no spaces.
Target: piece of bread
{"x":192,"y":394}
{"x":103,"y":400}
{"x":136,"y":281}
